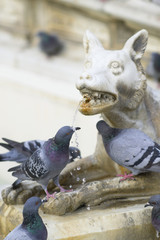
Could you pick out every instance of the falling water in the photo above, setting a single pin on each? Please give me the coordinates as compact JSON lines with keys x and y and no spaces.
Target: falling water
{"x":74,"y":116}
{"x":88,"y":207}
{"x":73,"y":125}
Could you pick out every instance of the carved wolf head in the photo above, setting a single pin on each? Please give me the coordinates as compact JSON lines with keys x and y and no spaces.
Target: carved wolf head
{"x":112,"y":77}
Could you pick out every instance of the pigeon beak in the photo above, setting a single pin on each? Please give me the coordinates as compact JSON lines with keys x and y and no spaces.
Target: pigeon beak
{"x":44,"y":200}
{"x":77,"y":128}
{"x":147,"y":204}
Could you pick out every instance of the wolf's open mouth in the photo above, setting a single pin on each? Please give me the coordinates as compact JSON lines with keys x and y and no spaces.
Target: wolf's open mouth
{"x":97,"y":98}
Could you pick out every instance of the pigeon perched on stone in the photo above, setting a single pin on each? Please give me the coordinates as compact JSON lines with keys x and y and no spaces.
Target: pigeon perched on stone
{"x":130,"y":148}
{"x":32,"y":227}
{"x":49,"y":43}
{"x":46,"y":162}
{"x":154,"y":202}
{"x":19,"y":152}
{"x":153,"y":68}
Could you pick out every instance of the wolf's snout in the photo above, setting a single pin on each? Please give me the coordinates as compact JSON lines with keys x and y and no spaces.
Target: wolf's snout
{"x":85,"y":75}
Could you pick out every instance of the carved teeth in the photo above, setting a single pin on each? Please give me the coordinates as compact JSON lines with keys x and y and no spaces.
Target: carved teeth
{"x":97,"y":98}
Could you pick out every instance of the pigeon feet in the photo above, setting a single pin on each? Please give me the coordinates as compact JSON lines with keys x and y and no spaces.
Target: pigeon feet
{"x":48,"y":195}
{"x":157,"y":234}
{"x":65,"y":190}
{"x":53,"y":195}
{"x":126,"y":176}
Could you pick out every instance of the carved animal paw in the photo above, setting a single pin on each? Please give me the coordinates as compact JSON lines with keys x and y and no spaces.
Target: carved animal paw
{"x":19,"y":196}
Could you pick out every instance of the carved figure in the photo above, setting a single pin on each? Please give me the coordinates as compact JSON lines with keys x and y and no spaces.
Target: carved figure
{"x":112,"y":84}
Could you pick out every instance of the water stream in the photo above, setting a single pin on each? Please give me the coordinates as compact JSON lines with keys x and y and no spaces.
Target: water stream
{"x":75,"y":136}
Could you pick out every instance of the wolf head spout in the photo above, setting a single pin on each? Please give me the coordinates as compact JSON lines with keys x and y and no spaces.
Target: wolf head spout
{"x":112,"y":77}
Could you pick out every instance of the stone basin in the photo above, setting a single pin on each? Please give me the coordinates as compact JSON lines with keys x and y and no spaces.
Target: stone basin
{"x":109,"y":221}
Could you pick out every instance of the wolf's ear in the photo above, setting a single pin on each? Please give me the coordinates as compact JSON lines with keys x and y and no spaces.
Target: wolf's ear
{"x":90,"y":42}
{"x":136,"y":45}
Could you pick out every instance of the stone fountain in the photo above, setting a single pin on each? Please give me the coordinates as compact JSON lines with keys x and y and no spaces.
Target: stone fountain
{"x":114,"y":85}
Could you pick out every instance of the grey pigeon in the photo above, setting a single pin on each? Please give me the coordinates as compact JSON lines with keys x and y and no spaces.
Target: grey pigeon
{"x":130,"y":148}
{"x":154,"y":202}
{"x":153,"y":68}
{"x":49,"y":43}
{"x":156,"y":1}
{"x":32,"y":227}
{"x":46,"y":162}
{"x":19,"y":152}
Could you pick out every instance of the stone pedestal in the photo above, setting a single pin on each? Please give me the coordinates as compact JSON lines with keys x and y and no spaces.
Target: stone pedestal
{"x":116,"y":221}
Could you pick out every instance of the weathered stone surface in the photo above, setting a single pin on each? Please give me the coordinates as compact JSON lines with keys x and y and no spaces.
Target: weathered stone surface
{"x":71,"y":18}
{"x":89,"y":194}
{"x":117,"y":221}
{"x":21,"y":194}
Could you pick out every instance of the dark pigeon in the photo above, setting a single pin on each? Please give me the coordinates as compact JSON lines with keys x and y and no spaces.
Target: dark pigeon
{"x":154,"y":202}
{"x":32,"y":227}
{"x":19,"y":152}
{"x":49,"y":43}
{"x":74,"y":153}
{"x":46,"y":162}
{"x":130,"y":148}
{"x":153,"y":68}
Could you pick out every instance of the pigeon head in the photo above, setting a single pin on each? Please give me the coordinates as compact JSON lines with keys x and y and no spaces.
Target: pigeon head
{"x":41,"y":34}
{"x":156,"y":61}
{"x":32,"y":222}
{"x":106,"y":131}
{"x":32,"y":205}
{"x":64,"y":134}
{"x":153,"y":201}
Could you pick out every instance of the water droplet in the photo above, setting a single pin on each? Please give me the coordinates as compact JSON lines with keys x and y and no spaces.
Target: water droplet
{"x":83,"y":180}
{"x":78,"y":168}
{"x":78,"y":179}
{"x":76,"y":139}
{"x":88,"y":207}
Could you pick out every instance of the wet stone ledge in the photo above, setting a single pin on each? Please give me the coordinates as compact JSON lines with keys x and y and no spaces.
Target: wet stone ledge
{"x":117,"y":222}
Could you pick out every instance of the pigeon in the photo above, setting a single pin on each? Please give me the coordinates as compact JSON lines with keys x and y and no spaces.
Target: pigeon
{"x":32,"y":227}
{"x":130,"y":148}
{"x":154,"y":202}
{"x":74,"y":153}
{"x":46,"y":162}
{"x":49,"y":43}
{"x":153,"y":68}
{"x":19,"y":152}
{"x":156,"y":1}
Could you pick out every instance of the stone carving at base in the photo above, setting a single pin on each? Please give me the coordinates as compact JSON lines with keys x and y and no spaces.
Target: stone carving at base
{"x":114,"y":85}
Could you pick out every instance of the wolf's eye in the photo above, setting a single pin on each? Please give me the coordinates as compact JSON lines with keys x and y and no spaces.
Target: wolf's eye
{"x":88,"y":64}
{"x":116,"y":67}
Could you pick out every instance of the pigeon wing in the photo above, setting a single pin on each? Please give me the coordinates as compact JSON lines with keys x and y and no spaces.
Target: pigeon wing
{"x":35,"y":167}
{"x":32,"y":169}
{"x":19,"y":152}
{"x":134,"y":149}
